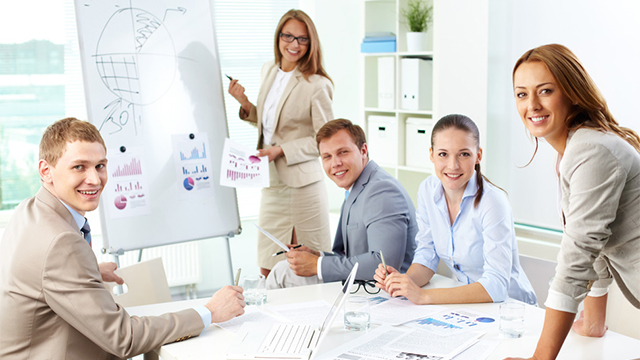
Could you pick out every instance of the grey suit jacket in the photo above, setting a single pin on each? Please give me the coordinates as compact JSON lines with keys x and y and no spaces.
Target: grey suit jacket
{"x":304,"y":107}
{"x":377,"y":215}
{"x":53,"y":304}
{"x":600,"y":181}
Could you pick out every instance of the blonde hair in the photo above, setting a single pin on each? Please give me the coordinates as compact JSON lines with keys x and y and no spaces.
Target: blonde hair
{"x":590,"y":109}
{"x":311,"y":62}
{"x":57,"y":135}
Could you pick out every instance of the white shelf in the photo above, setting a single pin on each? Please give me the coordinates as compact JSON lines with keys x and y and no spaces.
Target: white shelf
{"x":416,"y":54}
{"x":416,"y":169}
{"x":399,"y":111}
{"x":384,"y":16}
{"x":418,"y":112}
{"x":370,"y":109}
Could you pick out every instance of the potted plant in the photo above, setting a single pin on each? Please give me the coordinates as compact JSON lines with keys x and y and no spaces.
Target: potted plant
{"x":417,"y":16}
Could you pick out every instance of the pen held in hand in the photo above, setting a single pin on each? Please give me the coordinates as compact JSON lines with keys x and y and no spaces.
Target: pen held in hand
{"x":229,"y":77}
{"x":237,"y":277}
{"x":384,"y":265}
{"x":282,"y":252}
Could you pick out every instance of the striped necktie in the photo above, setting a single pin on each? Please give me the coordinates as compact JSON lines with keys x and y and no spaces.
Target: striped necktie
{"x":86,"y":231}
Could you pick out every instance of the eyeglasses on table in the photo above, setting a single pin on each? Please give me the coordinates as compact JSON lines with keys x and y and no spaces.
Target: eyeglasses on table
{"x":368,"y":285}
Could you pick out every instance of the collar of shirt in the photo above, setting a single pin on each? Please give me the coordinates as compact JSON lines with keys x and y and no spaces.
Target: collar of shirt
{"x":469,"y":190}
{"x":76,"y":216}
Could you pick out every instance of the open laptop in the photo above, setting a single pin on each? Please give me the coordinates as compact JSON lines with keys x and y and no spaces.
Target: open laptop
{"x":286,"y":341}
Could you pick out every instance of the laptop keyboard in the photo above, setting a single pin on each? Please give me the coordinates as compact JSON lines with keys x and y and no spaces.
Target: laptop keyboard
{"x":287,"y":339}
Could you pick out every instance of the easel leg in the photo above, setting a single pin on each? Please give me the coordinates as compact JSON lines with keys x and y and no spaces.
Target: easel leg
{"x":231,"y":279}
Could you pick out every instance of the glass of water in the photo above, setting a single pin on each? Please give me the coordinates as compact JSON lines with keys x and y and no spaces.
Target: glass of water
{"x":356,"y":313}
{"x":255,"y":289}
{"x":512,"y":319}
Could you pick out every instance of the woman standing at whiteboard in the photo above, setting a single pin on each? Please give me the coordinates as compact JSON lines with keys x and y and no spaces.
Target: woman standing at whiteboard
{"x":598,"y":168}
{"x":293,"y":103}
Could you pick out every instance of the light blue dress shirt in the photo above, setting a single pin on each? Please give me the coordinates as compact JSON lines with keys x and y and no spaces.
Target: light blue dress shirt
{"x":202,"y":310}
{"x":480,"y":246}
{"x":76,"y":216}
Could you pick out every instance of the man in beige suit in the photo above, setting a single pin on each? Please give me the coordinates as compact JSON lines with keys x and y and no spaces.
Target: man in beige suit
{"x":53,"y":304}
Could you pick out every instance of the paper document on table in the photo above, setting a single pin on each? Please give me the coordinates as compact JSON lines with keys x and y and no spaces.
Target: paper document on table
{"x":273,"y":238}
{"x":251,"y":313}
{"x":478,"y":351}
{"x":392,"y":343}
{"x":241,"y":167}
{"x":312,"y":312}
{"x":396,"y":311}
{"x":452,"y":322}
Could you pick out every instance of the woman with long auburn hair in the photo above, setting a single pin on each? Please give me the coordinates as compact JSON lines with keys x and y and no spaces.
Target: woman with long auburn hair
{"x":293,"y":103}
{"x":598,"y":168}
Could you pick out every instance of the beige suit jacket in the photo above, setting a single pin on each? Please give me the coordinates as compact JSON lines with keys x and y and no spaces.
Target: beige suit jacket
{"x":302,"y":110}
{"x":600,"y":182}
{"x":53,"y":304}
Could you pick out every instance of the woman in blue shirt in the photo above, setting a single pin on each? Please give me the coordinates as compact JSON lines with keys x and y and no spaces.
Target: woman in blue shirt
{"x":464,"y":220}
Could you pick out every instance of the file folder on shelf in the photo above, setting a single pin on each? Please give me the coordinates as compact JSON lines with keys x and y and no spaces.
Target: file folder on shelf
{"x":386,"y":83}
{"x":417,"y":84}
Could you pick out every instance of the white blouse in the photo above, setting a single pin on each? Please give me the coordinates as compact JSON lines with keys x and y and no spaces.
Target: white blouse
{"x":271,"y":103}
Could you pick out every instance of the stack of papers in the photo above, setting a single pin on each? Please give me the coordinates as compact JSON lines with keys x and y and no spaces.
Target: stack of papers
{"x":396,"y":311}
{"x":444,"y":335}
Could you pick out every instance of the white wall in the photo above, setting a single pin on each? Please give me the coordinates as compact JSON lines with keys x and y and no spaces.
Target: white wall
{"x":460,"y":60}
{"x":340,"y":29}
{"x":605,"y":37}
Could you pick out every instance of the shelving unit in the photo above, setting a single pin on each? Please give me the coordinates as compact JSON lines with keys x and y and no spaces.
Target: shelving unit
{"x":391,"y":152}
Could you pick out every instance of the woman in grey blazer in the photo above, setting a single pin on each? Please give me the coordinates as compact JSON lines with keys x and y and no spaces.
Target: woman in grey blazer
{"x":598,"y":169}
{"x":293,"y":103}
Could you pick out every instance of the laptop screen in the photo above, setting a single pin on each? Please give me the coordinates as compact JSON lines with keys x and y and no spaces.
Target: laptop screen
{"x":340,"y":299}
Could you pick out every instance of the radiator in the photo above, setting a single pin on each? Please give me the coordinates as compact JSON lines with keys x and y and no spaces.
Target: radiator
{"x":181,"y":261}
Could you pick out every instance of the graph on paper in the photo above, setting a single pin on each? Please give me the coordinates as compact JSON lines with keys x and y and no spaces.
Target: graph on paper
{"x":242,"y":168}
{"x":128,"y":193}
{"x":451,"y":322}
{"x":193,"y":164}
{"x":195,"y":154}
{"x":131,"y":169}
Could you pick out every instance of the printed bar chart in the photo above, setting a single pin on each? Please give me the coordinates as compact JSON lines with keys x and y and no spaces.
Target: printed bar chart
{"x":195,"y":154}
{"x":133,"y":168}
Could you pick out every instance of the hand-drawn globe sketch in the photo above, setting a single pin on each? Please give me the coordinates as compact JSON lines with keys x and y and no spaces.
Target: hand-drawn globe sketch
{"x":135,"y":56}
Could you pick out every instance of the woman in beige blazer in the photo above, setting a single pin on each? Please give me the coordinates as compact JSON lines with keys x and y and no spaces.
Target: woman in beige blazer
{"x":598,"y":170}
{"x":294,"y":102}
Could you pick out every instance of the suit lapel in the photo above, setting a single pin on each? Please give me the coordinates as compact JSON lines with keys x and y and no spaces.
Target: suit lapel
{"x":295,"y":79}
{"x":262,"y":95}
{"x":53,"y":202}
{"x":356,"y":190}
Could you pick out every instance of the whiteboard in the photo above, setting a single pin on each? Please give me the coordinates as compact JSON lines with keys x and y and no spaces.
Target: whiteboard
{"x":153,"y":88}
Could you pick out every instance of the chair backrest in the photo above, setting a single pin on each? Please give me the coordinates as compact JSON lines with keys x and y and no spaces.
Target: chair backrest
{"x":540,"y":273}
{"x":146,"y":283}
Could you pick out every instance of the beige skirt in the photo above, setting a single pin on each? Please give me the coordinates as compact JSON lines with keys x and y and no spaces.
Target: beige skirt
{"x":283,"y":208}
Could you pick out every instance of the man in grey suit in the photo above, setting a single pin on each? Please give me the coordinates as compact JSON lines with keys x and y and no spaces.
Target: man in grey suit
{"x":377,"y":215}
{"x":53,"y":304}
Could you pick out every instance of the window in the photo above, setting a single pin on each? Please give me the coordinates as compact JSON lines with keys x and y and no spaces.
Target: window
{"x":32,"y":92}
{"x":41,"y":79}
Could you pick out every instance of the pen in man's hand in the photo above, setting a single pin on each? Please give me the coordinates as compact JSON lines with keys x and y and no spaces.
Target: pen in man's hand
{"x":229,"y":77}
{"x":237,"y":277}
{"x":383,"y":263}
{"x":282,"y":252}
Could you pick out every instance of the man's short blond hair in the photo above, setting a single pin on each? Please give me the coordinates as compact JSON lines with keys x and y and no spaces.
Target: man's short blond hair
{"x":57,"y":135}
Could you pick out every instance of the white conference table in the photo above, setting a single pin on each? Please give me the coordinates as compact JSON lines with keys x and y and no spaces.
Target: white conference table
{"x":212,"y":343}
